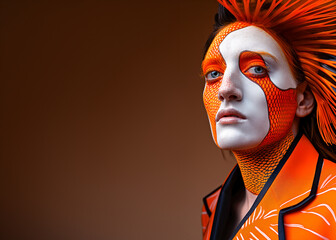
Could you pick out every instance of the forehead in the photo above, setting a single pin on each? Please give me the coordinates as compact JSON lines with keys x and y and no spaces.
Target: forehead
{"x":251,"y":38}
{"x":213,"y":53}
{"x":238,"y":37}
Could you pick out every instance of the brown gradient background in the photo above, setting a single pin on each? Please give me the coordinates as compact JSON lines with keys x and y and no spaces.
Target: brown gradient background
{"x":103,"y":130}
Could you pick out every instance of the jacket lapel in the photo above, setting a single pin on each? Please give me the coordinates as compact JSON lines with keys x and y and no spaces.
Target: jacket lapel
{"x":290,"y":187}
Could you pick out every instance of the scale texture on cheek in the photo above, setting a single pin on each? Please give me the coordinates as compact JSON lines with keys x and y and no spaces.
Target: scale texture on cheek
{"x":210,"y":94}
{"x":281,"y":104}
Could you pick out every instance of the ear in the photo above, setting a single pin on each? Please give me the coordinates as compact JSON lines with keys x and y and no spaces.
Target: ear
{"x":305,"y":100}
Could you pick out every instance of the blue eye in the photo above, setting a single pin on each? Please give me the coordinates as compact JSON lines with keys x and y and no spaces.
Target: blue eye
{"x":257,"y":71}
{"x":213,"y":75}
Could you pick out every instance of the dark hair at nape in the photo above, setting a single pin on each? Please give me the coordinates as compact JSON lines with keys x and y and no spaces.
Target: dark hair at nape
{"x":222,"y":18}
{"x":308,"y":125}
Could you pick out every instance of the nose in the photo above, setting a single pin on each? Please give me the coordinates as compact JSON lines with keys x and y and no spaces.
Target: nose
{"x":229,"y":90}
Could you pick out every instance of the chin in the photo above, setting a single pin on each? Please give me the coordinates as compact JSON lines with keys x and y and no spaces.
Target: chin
{"x":241,"y":136}
{"x":238,"y":142}
{"x":236,"y":146}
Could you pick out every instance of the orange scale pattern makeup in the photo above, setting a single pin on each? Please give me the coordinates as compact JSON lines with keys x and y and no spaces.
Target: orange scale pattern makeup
{"x":281,"y":104}
{"x":256,"y":165}
{"x":214,"y":61}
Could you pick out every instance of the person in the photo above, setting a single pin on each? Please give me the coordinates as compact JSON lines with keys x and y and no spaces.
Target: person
{"x":270,"y":78}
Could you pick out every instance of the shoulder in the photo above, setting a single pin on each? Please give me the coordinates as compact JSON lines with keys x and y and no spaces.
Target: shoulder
{"x":327,"y":183}
{"x":318,"y":217}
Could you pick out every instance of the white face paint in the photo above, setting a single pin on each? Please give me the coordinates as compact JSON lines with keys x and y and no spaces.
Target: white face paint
{"x":242,"y":121}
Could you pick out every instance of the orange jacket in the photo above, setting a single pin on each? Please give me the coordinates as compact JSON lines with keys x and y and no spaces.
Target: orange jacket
{"x":297,"y":202}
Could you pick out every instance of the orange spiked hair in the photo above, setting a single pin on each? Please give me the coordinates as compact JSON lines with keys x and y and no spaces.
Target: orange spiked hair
{"x":309,"y":28}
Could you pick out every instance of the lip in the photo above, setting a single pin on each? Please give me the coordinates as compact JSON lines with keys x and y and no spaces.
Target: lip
{"x":229,"y":116}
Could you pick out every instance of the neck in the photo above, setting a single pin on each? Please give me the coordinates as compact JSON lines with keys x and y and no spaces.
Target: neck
{"x":257,"y":164}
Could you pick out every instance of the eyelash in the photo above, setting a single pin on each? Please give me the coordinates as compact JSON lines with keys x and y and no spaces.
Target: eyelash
{"x":263,"y":74}
{"x":254,"y":65}
{"x":207,"y":77}
{"x":250,"y":66}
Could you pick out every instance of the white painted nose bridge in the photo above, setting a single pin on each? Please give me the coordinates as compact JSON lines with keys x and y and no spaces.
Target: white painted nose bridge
{"x":242,"y":94}
{"x":230,"y":88}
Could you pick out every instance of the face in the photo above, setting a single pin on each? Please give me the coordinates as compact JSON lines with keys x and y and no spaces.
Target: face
{"x":250,"y":92}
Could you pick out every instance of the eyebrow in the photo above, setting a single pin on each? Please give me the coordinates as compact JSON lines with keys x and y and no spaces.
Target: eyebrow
{"x":267,"y":54}
{"x":212,"y":61}
{"x":215,"y":60}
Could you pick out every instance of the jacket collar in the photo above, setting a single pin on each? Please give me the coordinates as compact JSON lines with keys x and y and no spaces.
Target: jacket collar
{"x":289,"y":186}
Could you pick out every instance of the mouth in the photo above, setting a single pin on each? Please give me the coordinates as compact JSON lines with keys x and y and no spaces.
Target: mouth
{"x":229,"y":116}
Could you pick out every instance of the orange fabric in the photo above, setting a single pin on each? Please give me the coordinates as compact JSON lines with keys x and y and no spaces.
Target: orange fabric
{"x":211,"y":202}
{"x":316,"y":220}
{"x":308,"y":26}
